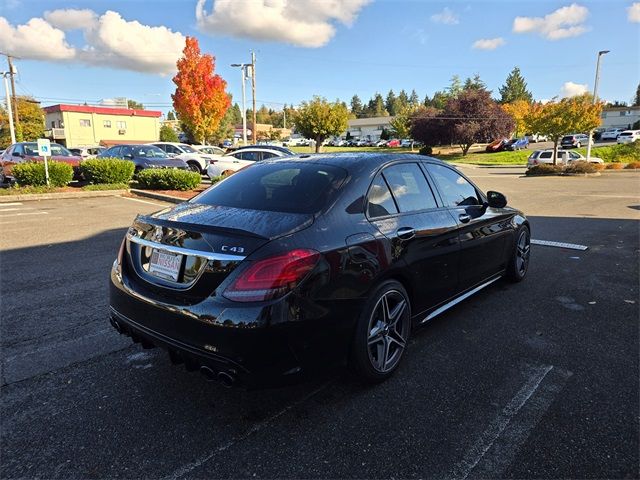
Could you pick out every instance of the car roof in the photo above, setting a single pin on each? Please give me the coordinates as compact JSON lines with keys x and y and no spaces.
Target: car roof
{"x":356,"y":159}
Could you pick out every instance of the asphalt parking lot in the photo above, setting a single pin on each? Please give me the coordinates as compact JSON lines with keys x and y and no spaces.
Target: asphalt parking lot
{"x":535,"y":380}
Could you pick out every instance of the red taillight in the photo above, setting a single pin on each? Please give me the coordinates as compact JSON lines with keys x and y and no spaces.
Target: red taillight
{"x":272,"y":277}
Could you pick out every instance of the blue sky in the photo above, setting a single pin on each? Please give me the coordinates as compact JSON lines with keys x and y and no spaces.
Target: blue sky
{"x":388,"y":44}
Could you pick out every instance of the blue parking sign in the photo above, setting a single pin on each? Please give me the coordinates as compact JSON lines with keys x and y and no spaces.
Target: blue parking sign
{"x":44,"y":147}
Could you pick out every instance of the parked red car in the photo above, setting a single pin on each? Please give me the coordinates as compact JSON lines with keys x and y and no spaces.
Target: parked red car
{"x":497,"y":145}
{"x":28,"y":152}
{"x":393,"y":143}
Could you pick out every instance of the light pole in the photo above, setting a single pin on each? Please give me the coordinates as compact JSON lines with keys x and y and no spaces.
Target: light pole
{"x":595,"y":98}
{"x":9,"y":110}
{"x":243,"y":71}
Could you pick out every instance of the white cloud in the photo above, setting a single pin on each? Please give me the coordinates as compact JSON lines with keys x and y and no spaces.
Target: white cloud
{"x":446,"y":16}
{"x":110,"y":41}
{"x":570,"y":89}
{"x":565,"y":22}
{"x":488,"y":43}
{"x":71,"y":18}
{"x":304,"y":23}
{"x":633,"y":12}
{"x":36,"y":39}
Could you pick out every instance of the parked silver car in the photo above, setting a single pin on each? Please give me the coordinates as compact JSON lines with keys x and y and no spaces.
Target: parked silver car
{"x":564,"y":156}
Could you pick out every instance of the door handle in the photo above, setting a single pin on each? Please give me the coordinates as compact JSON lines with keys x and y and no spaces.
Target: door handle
{"x":464,"y":218}
{"x":406,"y":233}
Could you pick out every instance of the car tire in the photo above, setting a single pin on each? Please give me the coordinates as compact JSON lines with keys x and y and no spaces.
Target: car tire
{"x":578,"y":145}
{"x":382,"y":333}
{"x":518,"y":265}
{"x":194,"y":167}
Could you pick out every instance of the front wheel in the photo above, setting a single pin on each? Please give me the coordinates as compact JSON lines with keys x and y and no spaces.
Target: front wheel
{"x":382,"y":333}
{"x":519,"y":261}
{"x":578,"y":145}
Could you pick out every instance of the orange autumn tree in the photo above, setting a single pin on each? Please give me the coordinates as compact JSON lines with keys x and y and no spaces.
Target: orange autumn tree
{"x":200,"y":99}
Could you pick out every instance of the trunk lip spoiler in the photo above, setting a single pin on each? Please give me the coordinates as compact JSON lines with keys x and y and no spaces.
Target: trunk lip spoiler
{"x":224,"y":257}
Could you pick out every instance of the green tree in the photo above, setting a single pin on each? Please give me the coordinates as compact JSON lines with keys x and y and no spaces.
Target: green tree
{"x":31,"y":122}
{"x":414,"y":100}
{"x":356,"y":106}
{"x":636,"y":101}
{"x":135,"y":105}
{"x":320,"y":119}
{"x":403,"y":100}
{"x":439,"y":100}
{"x":168,"y":134}
{"x":376,"y":107}
{"x":171,"y":115}
{"x":401,"y":123}
{"x":390,"y":102}
{"x":474,"y":83}
{"x":515,"y":88}
{"x":556,"y":119}
{"x":455,"y":87}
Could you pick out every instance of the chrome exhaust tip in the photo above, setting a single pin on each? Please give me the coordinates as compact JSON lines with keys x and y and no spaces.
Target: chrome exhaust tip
{"x":227,"y":380}
{"x":209,"y":374}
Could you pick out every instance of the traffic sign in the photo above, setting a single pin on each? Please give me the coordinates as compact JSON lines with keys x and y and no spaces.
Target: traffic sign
{"x":44,"y":147}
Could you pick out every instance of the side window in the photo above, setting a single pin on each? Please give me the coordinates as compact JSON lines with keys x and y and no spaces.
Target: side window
{"x":126,"y":151}
{"x":409,"y":187}
{"x":455,"y":189}
{"x":546,"y":154}
{"x":266,"y":155}
{"x":161,"y":146}
{"x":574,"y":155}
{"x":379,"y":200}
{"x":115,"y":151}
{"x":249,"y":156}
{"x":18,"y":149}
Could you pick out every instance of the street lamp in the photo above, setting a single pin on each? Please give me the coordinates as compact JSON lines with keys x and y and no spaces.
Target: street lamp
{"x":595,"y":98}
{"x":9,"y":110}
{"x":243,"y":71}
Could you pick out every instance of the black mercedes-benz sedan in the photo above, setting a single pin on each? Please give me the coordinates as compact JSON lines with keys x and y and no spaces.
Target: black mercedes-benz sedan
{"x":300,"y":264}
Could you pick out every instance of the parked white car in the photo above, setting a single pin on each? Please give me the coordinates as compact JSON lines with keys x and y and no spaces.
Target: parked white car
{"x":196,"y":160}
{"x":87,"y":152}
{"x":564,"y":156}
{"x":611,"y":134}
{"x":629,"y":136}
{"x":234,"y":161}
{"x":536,"y":137}
{"x":210,"y":149}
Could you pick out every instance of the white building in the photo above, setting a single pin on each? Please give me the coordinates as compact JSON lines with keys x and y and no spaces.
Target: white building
{"x":368,"y":128}
{"x":619,"y":117}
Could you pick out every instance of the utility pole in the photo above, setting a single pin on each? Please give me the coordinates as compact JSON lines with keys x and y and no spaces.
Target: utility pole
{"x":595,"y":99}
{"x":6,"y":90}
{"x":254,"y":133}
{"x":12,"y":72}
{"x":284,"y":116}
{"x":243,"y":72}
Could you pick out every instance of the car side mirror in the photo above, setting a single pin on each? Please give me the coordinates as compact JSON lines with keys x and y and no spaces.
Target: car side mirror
{"x":128,"y":156}
{"x":496,"y":199}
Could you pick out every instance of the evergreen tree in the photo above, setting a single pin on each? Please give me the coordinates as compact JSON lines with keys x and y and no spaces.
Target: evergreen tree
{"x":474,"y":83}
{"x":376,"y":106}
{"x":636,"y":101}
{"x":171,"y":115}
{"x":439,"y":100}
{"x":390,"y":102}
{"x":356,"y":106}
{"x":403,"y":99}
{"x":515,"y":88}
{"x":455,"y":87}
{"x":414,"y":100}
{"x":427,"y":102}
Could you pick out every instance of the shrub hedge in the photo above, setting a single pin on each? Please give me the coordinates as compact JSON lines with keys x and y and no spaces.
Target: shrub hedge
{"x":32,"y":173}
{"x":107,"y":170}
{"x":426,"y":150}
{"x":544,"y":169}
{"x":168,"y":179}
{"x":580,"y":167}
{"x":633,"y":166}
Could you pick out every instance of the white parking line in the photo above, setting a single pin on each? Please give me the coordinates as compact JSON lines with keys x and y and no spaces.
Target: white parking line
{"x":25,"y":213}
{"x":144,"y":201}
{"x":548,"y":243}
{"x":10,"y":204}
{"x":10,"y":209}
{"x":500,"y":423}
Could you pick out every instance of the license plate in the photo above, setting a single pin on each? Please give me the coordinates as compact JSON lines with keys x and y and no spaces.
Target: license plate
{"x":165,"y":264}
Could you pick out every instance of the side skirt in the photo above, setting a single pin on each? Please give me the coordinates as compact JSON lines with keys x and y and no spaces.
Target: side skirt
{"x":458,"y":299}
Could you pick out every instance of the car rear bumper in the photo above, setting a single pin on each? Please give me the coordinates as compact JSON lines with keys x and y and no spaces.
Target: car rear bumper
{"x":263,"y":345}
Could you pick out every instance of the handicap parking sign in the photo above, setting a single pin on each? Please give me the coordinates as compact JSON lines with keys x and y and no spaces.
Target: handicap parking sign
{"x":44,"y":147}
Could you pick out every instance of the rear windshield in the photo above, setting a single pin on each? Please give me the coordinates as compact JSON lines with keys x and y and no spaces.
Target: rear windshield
{"x":567,"y":138}
{"x":626,"y":134}
{"x":277,"y":187}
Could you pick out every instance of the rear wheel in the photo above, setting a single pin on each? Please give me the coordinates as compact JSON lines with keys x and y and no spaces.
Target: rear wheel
{"x":382,"y":333}
{"x":519,"y":262}
{"x":194,"y":167}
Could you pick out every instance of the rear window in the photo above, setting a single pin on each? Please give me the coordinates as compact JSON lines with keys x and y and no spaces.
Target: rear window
{"x":277,"y":187}
{"x":568,"y":138}
{"x":626,"y":134}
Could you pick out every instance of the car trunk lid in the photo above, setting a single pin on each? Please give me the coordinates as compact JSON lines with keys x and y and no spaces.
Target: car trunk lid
{"x":184,"y":253}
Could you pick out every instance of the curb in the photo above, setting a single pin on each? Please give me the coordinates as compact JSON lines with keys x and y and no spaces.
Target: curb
{"x":60,"y":196}
{"x":157,"y":196}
